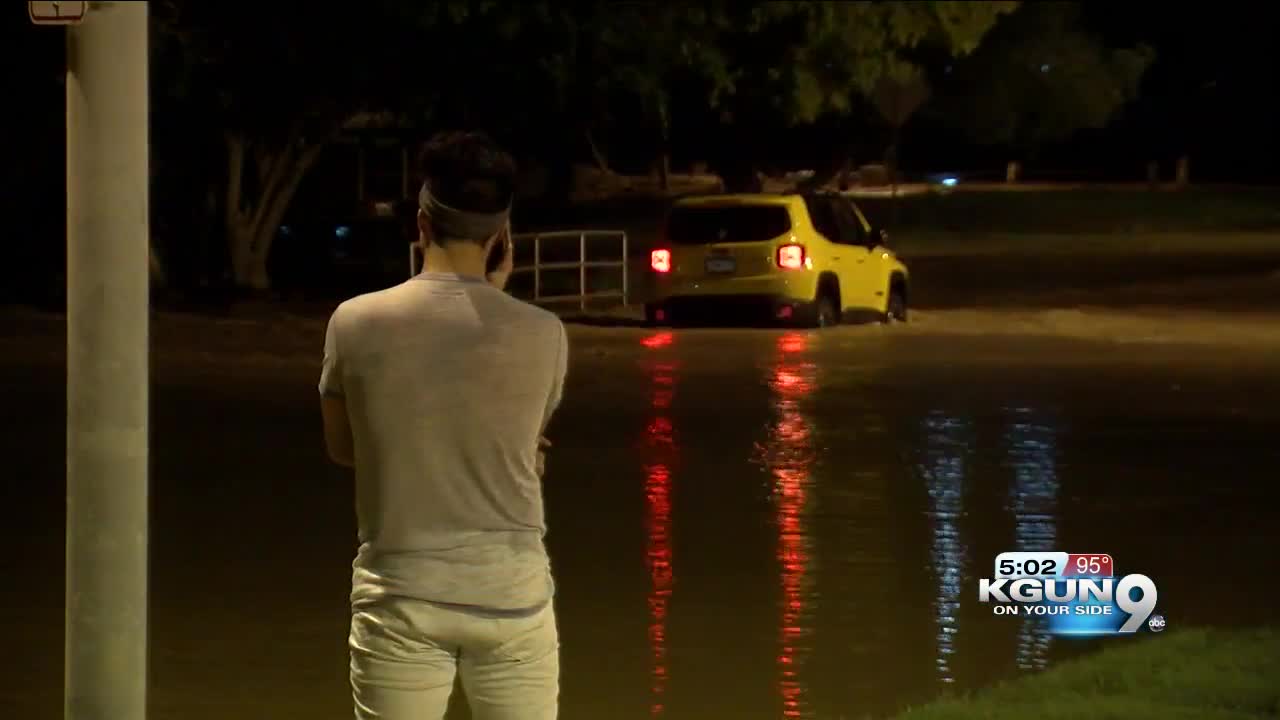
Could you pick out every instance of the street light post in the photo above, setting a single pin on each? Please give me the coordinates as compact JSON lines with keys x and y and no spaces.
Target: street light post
{"x":107,"y":364}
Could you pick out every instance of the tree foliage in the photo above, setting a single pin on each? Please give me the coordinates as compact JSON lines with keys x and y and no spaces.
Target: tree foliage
{"x":1040,"y":78}
{"x":797,"y":63}
{"x":789,"y":61}
{"x":274,"y":87}
{"x":599,"y":65}
{"x":807,"y":59}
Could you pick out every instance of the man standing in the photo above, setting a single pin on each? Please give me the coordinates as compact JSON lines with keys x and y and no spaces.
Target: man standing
{"x":437,"y":391}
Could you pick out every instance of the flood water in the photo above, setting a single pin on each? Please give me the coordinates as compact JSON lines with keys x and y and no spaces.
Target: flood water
{"x":744,"y":523}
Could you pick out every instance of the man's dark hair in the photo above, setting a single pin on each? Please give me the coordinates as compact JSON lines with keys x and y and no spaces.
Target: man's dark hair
{"x":469,"y":171}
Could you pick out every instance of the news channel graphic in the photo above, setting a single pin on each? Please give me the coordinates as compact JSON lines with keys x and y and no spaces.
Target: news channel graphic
{"x":1077,"y":594}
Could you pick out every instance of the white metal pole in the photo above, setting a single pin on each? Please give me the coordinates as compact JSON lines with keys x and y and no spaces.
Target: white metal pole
{"x":582,"y":271}
{"x":107,"y":368}
{"x":537,"y":267}
{"x":626,"y":266}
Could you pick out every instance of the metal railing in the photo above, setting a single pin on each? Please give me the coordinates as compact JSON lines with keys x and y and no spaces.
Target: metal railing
{"x":415,"y":264}
{"x":538,"y":267}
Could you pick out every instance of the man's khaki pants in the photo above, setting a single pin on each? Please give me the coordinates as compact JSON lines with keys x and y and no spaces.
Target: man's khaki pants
{"x":406,"y":653}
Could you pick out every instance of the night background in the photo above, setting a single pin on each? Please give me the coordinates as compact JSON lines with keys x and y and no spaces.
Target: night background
{"x":744,"y":522}
{"x":1074,"y":92}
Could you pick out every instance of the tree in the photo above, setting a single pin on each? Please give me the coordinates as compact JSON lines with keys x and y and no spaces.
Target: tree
{"x":1040,"y":78}
{"x":807,"y":60}
{"x":275,"y":89}
{"x":599,"y":57}
{"x":758,"y":62}
{"x":896,"y":98}
{"x":559,"y":53}
{"x":683,"y":43}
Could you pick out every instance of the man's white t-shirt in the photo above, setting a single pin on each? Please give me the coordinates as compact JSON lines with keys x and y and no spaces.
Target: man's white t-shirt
{"x":448,"y":383}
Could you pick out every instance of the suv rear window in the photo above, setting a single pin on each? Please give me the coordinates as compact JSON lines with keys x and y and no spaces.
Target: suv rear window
{"x":737,"y":223}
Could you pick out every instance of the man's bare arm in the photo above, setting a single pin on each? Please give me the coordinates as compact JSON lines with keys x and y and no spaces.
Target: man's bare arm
{"x":337,"y":431}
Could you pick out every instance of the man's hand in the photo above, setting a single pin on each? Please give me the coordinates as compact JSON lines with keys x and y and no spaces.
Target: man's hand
{"x":543,"y":444}
{"x":499,"y":277}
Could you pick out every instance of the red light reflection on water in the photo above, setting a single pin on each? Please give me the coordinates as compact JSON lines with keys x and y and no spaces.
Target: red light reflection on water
{"x":661,"y":576}
{"x":659,"y":447}
{"x":789,"y":456}
{"x":794,"y":559}
{"x":658,"y":340}
{"x":793,"y":343}
{"x":786,"y":380}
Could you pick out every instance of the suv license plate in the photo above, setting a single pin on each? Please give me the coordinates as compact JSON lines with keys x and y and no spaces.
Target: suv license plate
{"x":721,"y":265}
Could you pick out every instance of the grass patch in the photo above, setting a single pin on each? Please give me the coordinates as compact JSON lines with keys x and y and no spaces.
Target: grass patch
{"x":929,"y":243}
{"x":1085,"y":211}
{"x":1200,"y":674}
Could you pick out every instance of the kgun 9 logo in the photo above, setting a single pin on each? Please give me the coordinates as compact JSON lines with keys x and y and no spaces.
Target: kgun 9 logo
{"x":1078,"y":606}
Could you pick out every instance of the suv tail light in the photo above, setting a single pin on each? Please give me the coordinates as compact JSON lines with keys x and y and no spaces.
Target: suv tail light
{"x":660,"y":261}
{"x":791,"y":257}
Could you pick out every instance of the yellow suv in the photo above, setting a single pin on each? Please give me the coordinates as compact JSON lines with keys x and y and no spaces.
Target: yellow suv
{"x":806,"y":259}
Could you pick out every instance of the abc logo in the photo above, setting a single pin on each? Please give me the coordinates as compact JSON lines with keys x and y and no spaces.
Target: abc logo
{"x":1156,"y":623}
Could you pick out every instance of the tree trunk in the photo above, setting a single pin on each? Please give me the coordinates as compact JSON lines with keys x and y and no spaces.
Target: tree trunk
{"x":249,"y":259}
{"x":1182,"y":175}
{"x":891,"y":157}
{"x":891,"y":164}
{"x":601,"y":161}
{"x":254,"y":213}
{"x":664,"y":146}
{"x":664,"y":171}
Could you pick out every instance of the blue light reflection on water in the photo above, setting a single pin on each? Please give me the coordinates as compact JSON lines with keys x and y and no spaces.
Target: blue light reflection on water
{"x":1031,"y":452}
{"x":946,"y":449}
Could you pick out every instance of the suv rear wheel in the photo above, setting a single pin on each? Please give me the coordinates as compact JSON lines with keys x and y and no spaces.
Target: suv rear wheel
{"x":896,"y":310}
{"x":827,"y":314}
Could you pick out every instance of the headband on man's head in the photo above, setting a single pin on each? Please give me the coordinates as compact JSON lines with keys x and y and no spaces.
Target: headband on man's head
{"x":454,"y":224}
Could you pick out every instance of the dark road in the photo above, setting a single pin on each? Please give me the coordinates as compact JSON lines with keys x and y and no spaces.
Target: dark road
{"x":744,"y":524}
